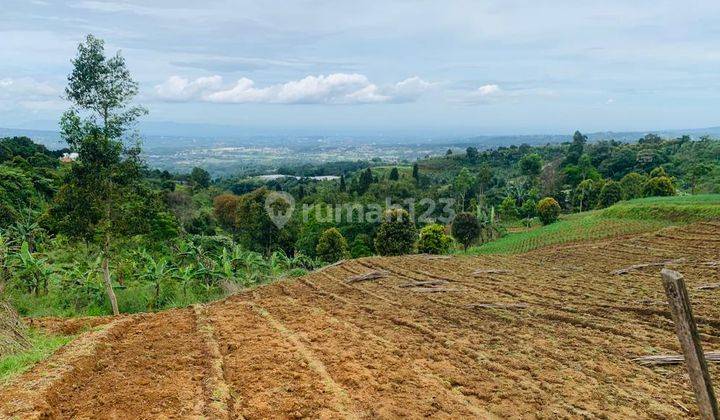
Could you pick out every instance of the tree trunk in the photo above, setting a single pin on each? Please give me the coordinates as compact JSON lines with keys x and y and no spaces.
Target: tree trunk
{"x":108,"y":284}
{"x":12,"y":331}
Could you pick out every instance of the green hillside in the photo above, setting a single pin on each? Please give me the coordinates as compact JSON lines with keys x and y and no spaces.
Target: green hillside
{"x":628,"y":217}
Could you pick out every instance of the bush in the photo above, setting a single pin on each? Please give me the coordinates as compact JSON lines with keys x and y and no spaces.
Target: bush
{"x":658,"y":172}
{"x":332,"y":246}
{"x":660,"y":186}
{"x":632,"y":185}
{"x":433,"y":240}
{"x":529,"y":209}
{"x":508,"y":208}
{"x":548,"y":210}
{"x":394,"y":174}
{"x":610,"y":193}
{"x":163,"y":226}
{"x":225,"y":208}
{"x":202,"y":223}
{"x":466,"y":229}
{"x":397,"y":233}
{"x":530,"y":165}
{"x":200,"y":178}
{"x":361,"y":246}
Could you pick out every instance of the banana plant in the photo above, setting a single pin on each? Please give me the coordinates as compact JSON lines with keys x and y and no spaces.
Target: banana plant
{"x":490,"y":229}
{"x":186,"y":276}
{"x":26,"y":229}
{"x":305,"y":262}
{"x":224,"y":269}
{"x":32,"y":270}
{"x":4,"y":261}
{"x":82,"y":283}
{"x":156,"y":272}
{"x":280,"y":262}
{"x":248,"y":267}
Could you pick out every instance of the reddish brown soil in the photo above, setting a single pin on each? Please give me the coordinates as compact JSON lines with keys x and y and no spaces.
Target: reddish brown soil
{"x":67,"y":326}
{"x":320,"y":347}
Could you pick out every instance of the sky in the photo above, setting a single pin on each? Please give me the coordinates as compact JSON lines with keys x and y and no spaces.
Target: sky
{"x":471,"y":67}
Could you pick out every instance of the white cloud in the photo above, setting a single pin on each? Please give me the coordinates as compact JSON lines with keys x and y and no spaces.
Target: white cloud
{"x":410,"y":89}
{"x":177,"y":88}
{"x":494,"y":93}
{"x":26,"y":88}
{"x":488,"y":90}
{"x":335,"y":89}
{"x":610,"y":101}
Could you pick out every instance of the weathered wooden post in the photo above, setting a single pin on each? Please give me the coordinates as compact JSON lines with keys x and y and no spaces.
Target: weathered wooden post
{"x":690,"y":342}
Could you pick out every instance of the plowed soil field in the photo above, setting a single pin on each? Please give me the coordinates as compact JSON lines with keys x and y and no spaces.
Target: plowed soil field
{"x":547,"y":334}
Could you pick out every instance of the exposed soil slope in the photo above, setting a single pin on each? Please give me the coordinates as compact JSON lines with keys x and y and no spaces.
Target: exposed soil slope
{"x":427,"y":339}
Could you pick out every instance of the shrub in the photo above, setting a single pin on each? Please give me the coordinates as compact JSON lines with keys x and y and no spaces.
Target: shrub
{"x":530,"y":165}
{"x":332,"y":246}
{"x":397,"y":233}
{"x":433,"y":240}
{"x":548,"y":210}
{"x":168,"y":185}
{"x":658,"y":172}
{"x":394,"y":174}
{"x":361,"y":246}
{"x":466,"y":229}
{"x":528,"y":209}
{"x":163,"y":226}
{"x":225,"y":208}
{"x":201,"y":223}
{"x":632,"y":185}
{"x":200,"y":178}
{"x":660,"y":186}
{"x":610,"y":193}
{"x":508,"y":208}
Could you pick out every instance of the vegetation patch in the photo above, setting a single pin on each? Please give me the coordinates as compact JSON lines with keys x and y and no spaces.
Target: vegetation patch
{"x":41,"y":347}
{"x":682,"y":209}
{"x":625,"y":218}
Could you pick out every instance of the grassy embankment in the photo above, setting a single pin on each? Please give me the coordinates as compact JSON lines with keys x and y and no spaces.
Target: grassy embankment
{"x":624,"y":218}
{"x":41,"y":346}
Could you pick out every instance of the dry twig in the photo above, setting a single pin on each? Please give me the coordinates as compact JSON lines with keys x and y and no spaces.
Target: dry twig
{"x":428,"y":283}
{"x":482,"y":271}
{"x":373,"y":275}
{"x":626,"y":270}
{"x":498,"y":305}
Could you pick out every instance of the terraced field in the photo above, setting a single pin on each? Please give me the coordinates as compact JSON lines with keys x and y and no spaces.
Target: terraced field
{"x":550,"y":333}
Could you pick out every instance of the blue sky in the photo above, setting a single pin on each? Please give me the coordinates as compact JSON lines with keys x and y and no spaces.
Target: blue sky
{"x":475,"y":67}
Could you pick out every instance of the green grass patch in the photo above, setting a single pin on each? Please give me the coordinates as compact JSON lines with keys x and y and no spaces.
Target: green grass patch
{"x":682,"y":209}
{"x":42,"y":346}
{"x":625,"y":218}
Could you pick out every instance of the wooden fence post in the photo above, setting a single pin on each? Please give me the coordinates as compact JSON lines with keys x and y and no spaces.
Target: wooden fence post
{"x":690,"y":342}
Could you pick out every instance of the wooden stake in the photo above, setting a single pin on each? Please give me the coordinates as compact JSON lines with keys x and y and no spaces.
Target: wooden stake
{"x":690,"y":342}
